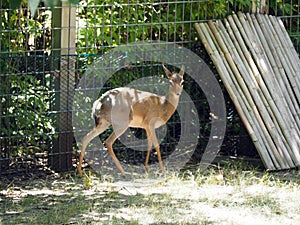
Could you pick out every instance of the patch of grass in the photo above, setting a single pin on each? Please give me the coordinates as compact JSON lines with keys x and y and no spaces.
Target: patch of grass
{"x":87,"y":180}
{"x":262,"y":202}
{"x":44,"y":209}
{"x":187,"y":197}
{"x":118,"y":221}
{"x":241,"y":175}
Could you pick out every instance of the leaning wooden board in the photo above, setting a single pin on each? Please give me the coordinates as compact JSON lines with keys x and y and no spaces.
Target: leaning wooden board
{"x":260,"y":69}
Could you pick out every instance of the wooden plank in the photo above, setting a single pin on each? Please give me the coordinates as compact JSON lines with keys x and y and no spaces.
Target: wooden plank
{"x":235,"y":93}
{"x":251,"y":95}
{"x":254,"y":65}
{"x":257,"y":88}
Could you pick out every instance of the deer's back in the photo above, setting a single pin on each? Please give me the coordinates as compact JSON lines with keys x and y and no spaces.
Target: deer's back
{"x":128,"y":102}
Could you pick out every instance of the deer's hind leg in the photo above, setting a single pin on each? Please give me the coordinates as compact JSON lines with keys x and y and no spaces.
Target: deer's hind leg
{"x":110,"y":141}
{"x":101,"y":126}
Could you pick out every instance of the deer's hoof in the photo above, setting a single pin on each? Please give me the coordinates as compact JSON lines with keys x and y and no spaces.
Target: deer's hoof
{"x":79,"y":173}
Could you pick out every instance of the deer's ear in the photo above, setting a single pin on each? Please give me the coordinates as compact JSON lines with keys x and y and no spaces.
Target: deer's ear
{"x":168,"y":73}
{"x":182,"y":70}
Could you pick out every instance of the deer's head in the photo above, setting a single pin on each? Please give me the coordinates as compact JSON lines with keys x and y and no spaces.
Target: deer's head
{"x":176,"y":80}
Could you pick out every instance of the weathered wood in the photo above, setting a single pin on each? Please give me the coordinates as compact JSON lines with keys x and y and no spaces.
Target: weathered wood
{"x":60,"y":158}
{"x":255,"y":84}
{"x":261,"y":73}
{"x":269,"y":75}
{"x":234,"y":92}
{"x":250,"y":92}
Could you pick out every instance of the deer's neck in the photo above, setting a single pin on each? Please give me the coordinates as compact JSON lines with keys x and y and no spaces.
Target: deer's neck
{"x":172,"y":99}
{"x":170,"y":104}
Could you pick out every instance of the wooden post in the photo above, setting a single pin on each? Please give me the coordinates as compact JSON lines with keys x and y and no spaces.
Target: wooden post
{"x":259,"y":6}
{"x":64,"y":33}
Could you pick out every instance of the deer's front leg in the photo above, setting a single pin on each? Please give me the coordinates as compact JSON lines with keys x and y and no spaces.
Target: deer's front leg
{"x":149,"y":148}
{"x":157,"y":148}
{"x":152,"y":140}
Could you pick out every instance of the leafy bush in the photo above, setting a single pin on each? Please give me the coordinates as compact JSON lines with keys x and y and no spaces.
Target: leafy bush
{"x":106,"y":23}
{"x":25,"y":119}
{"x":24,"y":90}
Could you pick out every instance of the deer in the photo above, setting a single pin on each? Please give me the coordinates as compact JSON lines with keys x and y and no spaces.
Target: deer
{"x":126,"y":107}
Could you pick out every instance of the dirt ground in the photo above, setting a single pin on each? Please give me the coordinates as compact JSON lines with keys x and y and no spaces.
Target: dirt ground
{"x":216,"y":197}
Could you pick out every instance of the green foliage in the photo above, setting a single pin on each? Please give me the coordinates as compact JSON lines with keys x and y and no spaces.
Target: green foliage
{"x":284,"y":7}
{"x":25,"y":116}
{"x":33,"y":4}
{"x":106,"y":23}
{"x":24,"y":95}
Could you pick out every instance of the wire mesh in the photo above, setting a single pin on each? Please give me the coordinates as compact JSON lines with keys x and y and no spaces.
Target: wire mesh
{"x":37,"y":80}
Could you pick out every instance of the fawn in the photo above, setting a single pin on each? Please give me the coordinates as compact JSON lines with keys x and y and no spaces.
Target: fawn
{"x":127,"y":107}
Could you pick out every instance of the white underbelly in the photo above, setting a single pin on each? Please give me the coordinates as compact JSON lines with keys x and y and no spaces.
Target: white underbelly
{"x":139,"y":122}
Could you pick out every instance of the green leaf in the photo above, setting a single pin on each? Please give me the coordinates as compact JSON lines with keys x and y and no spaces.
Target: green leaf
{"x":15,"y":4}
{"x":51,"y":3}
{"x":33,"y":4}
{"x":71,"y":1}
